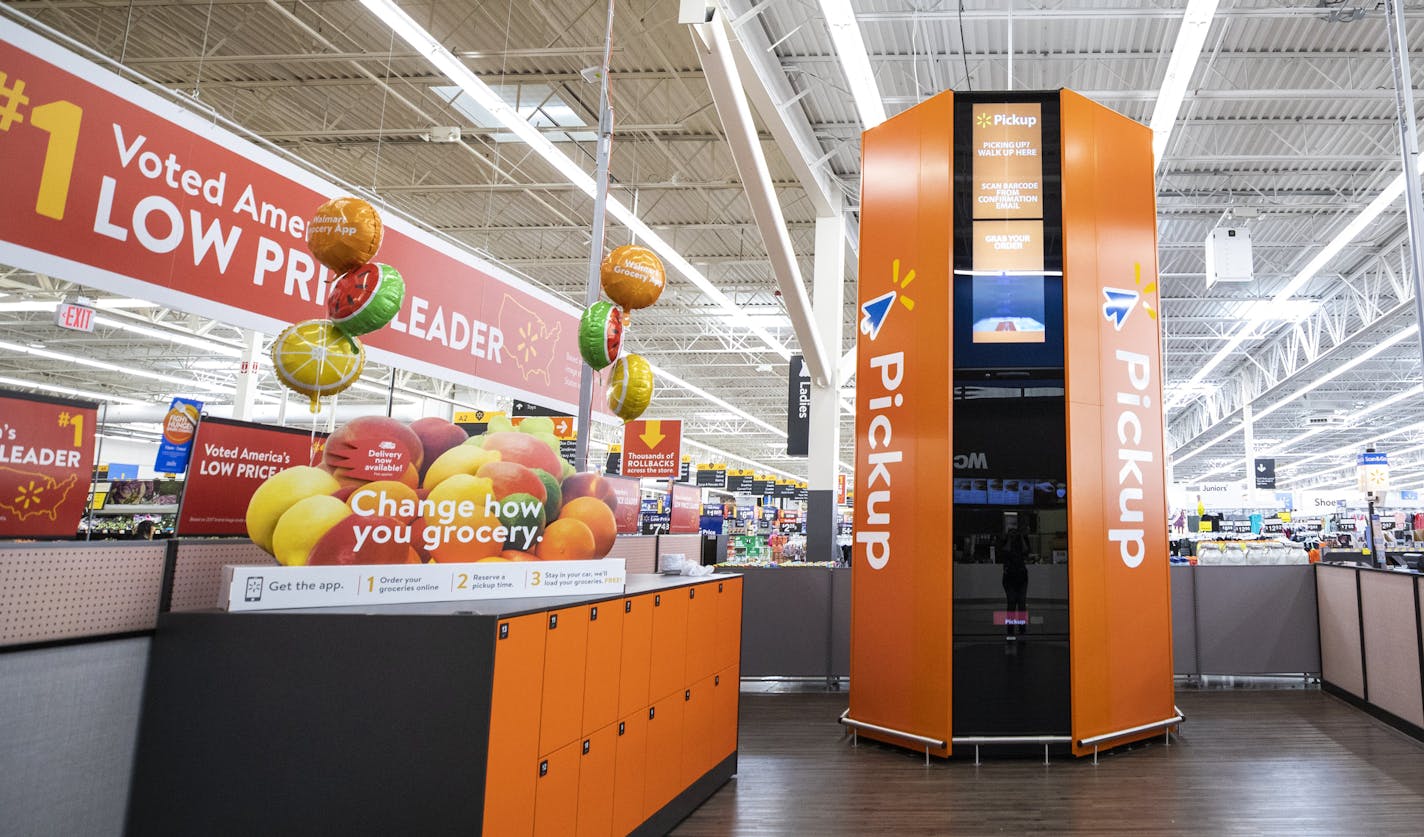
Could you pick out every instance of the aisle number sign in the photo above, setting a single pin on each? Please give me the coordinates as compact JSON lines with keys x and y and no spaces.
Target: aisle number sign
{"x":1372,"y":472}
{"x":274,"y":588}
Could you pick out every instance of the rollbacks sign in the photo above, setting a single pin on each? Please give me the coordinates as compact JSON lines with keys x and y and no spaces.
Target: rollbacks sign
{"x":116,"y":188}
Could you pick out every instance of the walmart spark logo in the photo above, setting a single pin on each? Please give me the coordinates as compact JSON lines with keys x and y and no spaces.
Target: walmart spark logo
{"x":983,"y":120}
{"x":874,"y":312}
{"x":1121,"y":302}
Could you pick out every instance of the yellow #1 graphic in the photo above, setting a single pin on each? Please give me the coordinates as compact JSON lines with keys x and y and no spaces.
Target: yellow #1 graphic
{"x":59,"y":119}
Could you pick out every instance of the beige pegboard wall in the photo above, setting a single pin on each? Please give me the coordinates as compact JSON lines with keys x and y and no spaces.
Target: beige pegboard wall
{"x":639,"y":553}
{"x":69,"y":590}
{"x":197,"y":577}
{"x":687,"y":545}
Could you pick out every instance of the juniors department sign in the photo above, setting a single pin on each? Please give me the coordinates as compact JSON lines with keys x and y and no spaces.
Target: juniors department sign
{"x":116,"y":188}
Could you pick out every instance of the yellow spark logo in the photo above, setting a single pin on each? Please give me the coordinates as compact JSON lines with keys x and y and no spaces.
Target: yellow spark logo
{"x":1150,"y":289}
{"x":983,"y":120}
{"x":29,"y":495}
{"x":895,"y":279}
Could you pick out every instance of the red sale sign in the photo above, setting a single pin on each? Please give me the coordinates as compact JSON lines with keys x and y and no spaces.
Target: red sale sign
{"x":630,"y":503}
{"x":114,"y":187}
{"x":686,"y":510}
{"x":46,"y":464}
{"x":230,"y":459}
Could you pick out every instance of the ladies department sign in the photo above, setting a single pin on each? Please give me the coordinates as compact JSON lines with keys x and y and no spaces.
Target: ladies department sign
{"x":116,"y":188}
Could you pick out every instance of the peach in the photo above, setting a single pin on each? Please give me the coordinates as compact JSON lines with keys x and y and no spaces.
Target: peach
{"x":567,"y":539}
{"x":436,"y":435}
{"x":341,"y":545}
{"x":590,"y":485}
{"x":356,"y":440}
{"x":513,"y":478}
{"x":529,"y":451}
{"x":596,"y":515}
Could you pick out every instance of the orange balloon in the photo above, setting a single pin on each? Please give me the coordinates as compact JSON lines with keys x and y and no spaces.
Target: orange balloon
{"x":344,"y":234}
{"x":632,"y":276}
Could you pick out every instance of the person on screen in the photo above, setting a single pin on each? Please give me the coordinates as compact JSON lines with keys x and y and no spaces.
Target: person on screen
{"x":1014,"y":550}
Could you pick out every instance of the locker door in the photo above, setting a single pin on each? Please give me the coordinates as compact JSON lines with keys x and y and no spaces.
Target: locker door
{"x":556,"y":803}
{"x":605,"y":647}
{"x":697,"y":726}
{"x":728,"y":644}
{"x":514,"y":725}
{"x":663,"y":777}
{"x":630,"y":765}
{"x":702,"y":601}
{"x":637,"y":654}
{"x":561,"y":720}
{"x":668,"y":670}
{"x":723,"y":725}
{"x":596,"y":778}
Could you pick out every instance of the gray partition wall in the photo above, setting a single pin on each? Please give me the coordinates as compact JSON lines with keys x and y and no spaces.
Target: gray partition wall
{"x":1184,"y":621}
{"x":786,"y":621}
{"x":1256,"y":620}
{"x":1338,"y":600}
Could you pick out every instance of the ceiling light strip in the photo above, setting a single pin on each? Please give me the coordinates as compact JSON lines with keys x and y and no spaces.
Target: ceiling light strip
{"x":433,"y":51}
{"x":855,"y":61}
{"x":82,"y":393}
{"x":1191,"y":37}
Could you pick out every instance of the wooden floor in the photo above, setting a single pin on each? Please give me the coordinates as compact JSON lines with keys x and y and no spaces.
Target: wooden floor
{"x":1295,"y":762}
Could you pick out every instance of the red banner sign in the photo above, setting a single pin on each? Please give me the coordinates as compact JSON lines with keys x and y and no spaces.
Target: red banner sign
{"x":46,"y":464}
{"x":630,"y":502}
{"x":114,"y":187}
{"x":686,"y":510}
{"x":652,"y":448}
{"x":230,"y":459}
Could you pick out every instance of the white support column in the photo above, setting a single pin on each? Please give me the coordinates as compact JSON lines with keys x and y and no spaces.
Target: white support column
{"x":1249,"y":436}
{"x":828,"y":306}
{"x":248,"y":371}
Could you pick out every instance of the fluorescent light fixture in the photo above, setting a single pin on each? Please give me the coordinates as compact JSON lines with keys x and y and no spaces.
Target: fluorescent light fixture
{"x":855,"y":62}
{"x":1178,"y":460}
{"x":35,"y":305}
{"x":81,"y":393}
{"x":1342,"y":239}
{"x":1373,"y":352}
{"x":1264,"y":311}
{"x":188,"y":384}
{"x":191,"y":341}
{"x":1191,"y":36}
{"x":483,"y":95}
{"x":726,"y":405}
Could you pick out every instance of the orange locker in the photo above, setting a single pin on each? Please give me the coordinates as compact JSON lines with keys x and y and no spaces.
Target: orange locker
{"x":596,"y":777}
{"x":702,"y":601}
{"x":667,"y":674}
{"x":630,"y":764}
{"x":662,"y":779}
{"x":561,"y":720}
{"x":510,"y":782}
{"x":556,"y":803}
{"x":722,"y":736}
{"x":728,"y":643}
{"x":600,"y":683}
{"x":637,"y":654}
{"x":697,"y":730}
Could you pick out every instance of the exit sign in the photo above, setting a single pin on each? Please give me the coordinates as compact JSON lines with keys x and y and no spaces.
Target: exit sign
{"x":74,"y":317}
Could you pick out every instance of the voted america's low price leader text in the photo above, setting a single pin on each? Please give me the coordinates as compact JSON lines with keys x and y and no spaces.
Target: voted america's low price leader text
{"x":277,"y":588}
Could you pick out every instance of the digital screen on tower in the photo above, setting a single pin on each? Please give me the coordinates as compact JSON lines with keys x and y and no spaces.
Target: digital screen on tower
{"x":1006,"y":272}
{"x":1008,"y":163}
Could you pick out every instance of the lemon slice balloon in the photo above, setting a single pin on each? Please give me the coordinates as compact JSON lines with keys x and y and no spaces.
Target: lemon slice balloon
{"x":630,"y":386}
{"x":314,"y":358}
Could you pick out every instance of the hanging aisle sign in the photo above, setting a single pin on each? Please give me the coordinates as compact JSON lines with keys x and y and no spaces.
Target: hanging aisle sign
{"x":1372,"y":472}
{"x":179,"y":427}
{"x":114,"y":187}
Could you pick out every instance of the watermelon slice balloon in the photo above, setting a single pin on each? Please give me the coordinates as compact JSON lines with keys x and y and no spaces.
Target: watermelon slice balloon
{"x":600,"y":334}
{"x":365,"y":299}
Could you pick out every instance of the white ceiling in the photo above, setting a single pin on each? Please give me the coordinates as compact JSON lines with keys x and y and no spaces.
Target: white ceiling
{"x":1288,"y":121}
